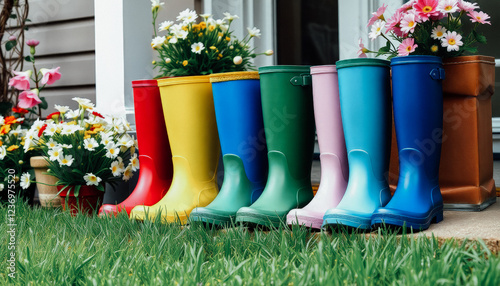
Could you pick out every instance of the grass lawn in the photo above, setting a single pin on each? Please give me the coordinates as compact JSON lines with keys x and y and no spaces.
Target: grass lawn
{"x":57,"y":249}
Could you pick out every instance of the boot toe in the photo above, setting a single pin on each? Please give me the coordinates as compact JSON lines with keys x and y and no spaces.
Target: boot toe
{"x":260,"y":217}
{"x":305,"y":217}
{"x":410,"y":220}
{"x":213,"y":216}
{"x":349,"y":218}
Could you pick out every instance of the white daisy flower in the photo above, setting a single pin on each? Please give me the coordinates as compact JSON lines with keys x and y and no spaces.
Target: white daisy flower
{"x":134,"y":162}
{"x":438,"y":32}
{"x":197,"y":47}
{"x":229,"y":17}
{"x":254,"y":32}
{"x":90,"y":144}
{"x":25,"y":180}
{"x":3,"y":152}
{"x":187,"y":16}
{"x":128,"y":173}
{"x":117,"y":168}
{"x":55,"y":153}
{"x":66,"y":160}
{"x":72,"y":114}
{"x":165,"y":25}
{"x":51,"y":143}
{"x":91,"y":179}
{"x":376,"y":29}
{"x":158,"y":41}
{"x":112,"y":150}
{"x":62,"y":109}
{"x":451,"y":41}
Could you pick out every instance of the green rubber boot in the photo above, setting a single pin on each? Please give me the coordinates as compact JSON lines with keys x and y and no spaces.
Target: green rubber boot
{"x":287,"y":109}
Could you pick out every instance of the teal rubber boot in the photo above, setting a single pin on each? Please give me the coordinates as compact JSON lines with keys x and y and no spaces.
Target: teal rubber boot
{"x":365,"y":104}
{"x":287,"y":107}
{"x":238,"y":111}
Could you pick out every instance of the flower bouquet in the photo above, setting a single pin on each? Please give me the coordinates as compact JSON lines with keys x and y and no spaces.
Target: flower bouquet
{"x":15,"y":172}
{"x":428,"y":27}
{"x":84,"y":152}
{"x":190,"y":48}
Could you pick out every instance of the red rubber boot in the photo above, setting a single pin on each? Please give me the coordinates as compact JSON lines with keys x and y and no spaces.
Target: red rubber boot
{"x":156,"y":171}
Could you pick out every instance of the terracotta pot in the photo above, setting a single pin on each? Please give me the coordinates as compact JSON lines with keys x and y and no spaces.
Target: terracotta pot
{"x":47,"y":195}
{"x":466,"y":170}
{"x":88,"y":201}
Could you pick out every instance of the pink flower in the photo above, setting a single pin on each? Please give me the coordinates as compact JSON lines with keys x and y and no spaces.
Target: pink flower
{"x":451,"y":41}
{"x":394,"y":21}
{"x":12,"y":38}
{"x":362,"y":50}
{"x":29,"y":98}
{"x":50,"y":76}
{"x":377,"y":15}
{"x":467,"y":6}
{"x":21,"y":81}
{"x":32,"y":43}
{"x":479,"y":17}
{"x":426,"y":9}
{"x":448,"y":6}
{"x":407,"y":47}
{"x":408,"y":23}
{"x":407,"y":6}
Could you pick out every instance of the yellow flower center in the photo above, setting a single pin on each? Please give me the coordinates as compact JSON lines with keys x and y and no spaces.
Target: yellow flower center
{"x":439,"y":34}
{"x":114,"y":169}
{"x":56,"y":154}
{"x":411,"y":24}
{"x":427,"y":9}
{"x":448,"y":8}
{"x":64,"y":161}
{"x":408,"y":49}
{"x":112,"y":151}
{"x":478,"y":17}
{"x":434,"y":48}
{"x":451,"y":41}
{"x":185,"y":63}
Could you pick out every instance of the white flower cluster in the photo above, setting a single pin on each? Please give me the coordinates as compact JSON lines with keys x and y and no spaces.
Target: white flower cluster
{"x":108,"y":132}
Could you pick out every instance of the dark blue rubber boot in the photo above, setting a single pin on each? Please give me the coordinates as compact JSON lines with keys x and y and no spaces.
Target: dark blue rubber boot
{"x":418,"y":118}
{"x":365,"y":104}
{"x":238,"y":112}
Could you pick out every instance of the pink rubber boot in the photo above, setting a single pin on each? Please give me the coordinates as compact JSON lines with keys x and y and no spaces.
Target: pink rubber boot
{"x":334,"y":167}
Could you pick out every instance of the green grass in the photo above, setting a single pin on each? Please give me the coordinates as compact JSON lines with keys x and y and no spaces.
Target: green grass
{"x":57,"y":249}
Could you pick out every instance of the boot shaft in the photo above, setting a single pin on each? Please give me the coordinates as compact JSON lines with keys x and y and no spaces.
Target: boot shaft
{"x":418,"y":109}
{"x":287,"y":109}
{"x":364,"y":89}
{"x":150,"y":126}
{"x":327,"y":113}
{"x":190,"y":119}
{"x":238,"y":111}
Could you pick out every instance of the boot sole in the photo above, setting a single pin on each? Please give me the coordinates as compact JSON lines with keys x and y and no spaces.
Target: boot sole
{"x":393,"y":219}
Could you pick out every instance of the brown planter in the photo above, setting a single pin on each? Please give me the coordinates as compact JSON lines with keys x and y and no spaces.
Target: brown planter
{"x":47,"y":194}
{"x":466,"y":169}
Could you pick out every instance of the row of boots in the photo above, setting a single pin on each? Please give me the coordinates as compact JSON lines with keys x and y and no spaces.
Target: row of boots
{"x":266,"y":124}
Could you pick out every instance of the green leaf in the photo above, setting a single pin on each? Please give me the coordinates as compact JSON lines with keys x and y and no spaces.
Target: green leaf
{"x":28,"y":59}
{"x":13,"y":16}
{"x":44,"y":105}
{"x":100,"y":188}
{"x":10,"y":45}
{"x":27,"y":20}
{"x":479,"y":37}
{"x":77,"y":190}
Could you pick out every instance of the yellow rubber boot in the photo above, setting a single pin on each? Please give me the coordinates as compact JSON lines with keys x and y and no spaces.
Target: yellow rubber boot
{"x":192,"y":131}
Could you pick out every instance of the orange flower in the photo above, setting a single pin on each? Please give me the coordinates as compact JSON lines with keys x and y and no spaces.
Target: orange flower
{"x":12,"y":148}
{"x":185,"y":63}
{"x":19,"y":110}
{"x":9,"y":120}
{"x":203,"y":25}
{"x":1,"y":143}
{"x":5,"y":129}
{"x":228,"y":39}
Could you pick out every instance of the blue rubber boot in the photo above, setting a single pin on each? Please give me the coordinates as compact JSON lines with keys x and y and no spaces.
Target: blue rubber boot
{"x":365,"y":104}
{"x":418,"y":119}
{"x":238,"y":111}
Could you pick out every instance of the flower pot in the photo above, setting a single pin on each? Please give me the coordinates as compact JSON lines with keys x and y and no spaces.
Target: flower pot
{"x":466,"y":170}
{"x":47,"y":195}
{"x":88,"y":201}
